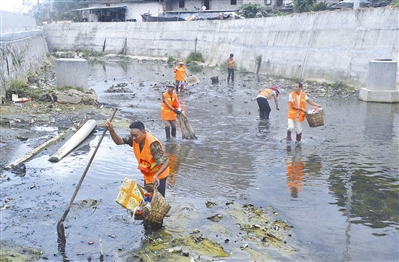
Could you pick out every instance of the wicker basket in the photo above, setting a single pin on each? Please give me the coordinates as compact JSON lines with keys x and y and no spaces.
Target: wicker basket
{"x":315,"y":119}
{"x":159,"y":209}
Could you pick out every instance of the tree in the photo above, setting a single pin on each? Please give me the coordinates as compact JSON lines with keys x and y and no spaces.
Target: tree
{"x":301,"y":6}
{"x":61,"y":10}
{"x":251,"y":10}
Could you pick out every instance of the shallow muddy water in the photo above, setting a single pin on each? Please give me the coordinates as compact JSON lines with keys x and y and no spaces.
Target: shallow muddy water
{"x":338,"y":188}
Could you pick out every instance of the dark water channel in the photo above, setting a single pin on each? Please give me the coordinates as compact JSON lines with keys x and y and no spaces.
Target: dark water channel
{"x":338,"y":188}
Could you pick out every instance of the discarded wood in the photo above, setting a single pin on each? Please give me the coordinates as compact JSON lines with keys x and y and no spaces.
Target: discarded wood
{"x":185,"y":126}
{"x":74,"y":141}
{"x":40,"y":148}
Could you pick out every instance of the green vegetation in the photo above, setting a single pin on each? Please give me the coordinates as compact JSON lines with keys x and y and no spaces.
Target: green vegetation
{"x":397,"y":2}
{"x":170,"y":60}
{"x":195,"y":57}
{"x":59,"y":10}
{"x":90,"y":53}
{"x":22,"y":89}
{"x":320,"y":6}
{"x":301,"y":6}
{"x":338,"y":85}
{"x":65,"y":88}
{"x":252,"y":10}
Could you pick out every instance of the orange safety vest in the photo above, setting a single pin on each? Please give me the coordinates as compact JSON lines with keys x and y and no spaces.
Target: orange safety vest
{"x":292,"y":113}
{"x":230,"y":63}
{"x":266,"y":92}
{"x":166,"y":113}
{"x":147,"y":164}
{"x":180,"y":73}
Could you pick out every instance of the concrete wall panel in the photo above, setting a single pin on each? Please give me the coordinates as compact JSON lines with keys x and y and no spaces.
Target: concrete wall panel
{"x":322,"y":46}
{"x":22,"y":48}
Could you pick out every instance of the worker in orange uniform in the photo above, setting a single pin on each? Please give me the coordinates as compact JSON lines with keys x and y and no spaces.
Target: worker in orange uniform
{"x":262,"y":99}
{"x":297,"y":111}
{"x":180,"y":74}
{"x":230,"y":67}
{"x":151,"y":157}
{"x":169,"y":110}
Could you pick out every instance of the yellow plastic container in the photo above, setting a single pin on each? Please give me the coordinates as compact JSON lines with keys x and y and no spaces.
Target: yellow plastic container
{"x":130,"y":194}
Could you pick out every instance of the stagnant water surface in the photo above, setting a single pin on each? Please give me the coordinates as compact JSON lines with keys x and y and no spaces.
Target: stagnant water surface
{"x":338,"y":188}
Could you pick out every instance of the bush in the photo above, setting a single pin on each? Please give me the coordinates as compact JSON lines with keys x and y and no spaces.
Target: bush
{"x":22,"y":90}
{"x":170,"y":60}
{"x":301,"y":6}
{"x":90,"y":53}
{"x":195,"y":57}
{"x":320,"y":6}
{"x":251,"y":10}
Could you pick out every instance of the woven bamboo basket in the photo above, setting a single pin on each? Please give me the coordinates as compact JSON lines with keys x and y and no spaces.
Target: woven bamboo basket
{"x":159,"y":208}
{"x":315,"y":119}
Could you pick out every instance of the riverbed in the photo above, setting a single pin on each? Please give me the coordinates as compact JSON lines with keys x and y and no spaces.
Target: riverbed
{"x":337,"y":189}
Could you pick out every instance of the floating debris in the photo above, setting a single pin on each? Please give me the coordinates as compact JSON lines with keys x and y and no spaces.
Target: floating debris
{"x":216,"y":218}
{"x":210,"y":204}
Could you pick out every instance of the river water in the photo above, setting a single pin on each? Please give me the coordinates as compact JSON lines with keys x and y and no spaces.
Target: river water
{"x":338,"y":188}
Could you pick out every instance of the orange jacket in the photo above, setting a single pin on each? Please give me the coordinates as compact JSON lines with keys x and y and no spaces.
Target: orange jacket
{"x":166,"y":112}
{"x":266,"y":92}
{"x":180,"y":73}
{"x":147,"y":164}
{"x":292,"y":113}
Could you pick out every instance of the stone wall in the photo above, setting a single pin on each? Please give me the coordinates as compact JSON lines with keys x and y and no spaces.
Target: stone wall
{"x":324,"y":46}
{"x":22,"y":48}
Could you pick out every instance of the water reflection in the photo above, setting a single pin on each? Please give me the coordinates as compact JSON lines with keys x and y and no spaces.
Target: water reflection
{"x":374,"y":203}
{"x":379,"y":121}
{"x":295,"y":167}
{"x":172,"y":151}
{"x":263,"y":127}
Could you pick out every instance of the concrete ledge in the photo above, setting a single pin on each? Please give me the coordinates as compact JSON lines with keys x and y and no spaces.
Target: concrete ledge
{"x":5,"y":37}
{"x":382,"y":96}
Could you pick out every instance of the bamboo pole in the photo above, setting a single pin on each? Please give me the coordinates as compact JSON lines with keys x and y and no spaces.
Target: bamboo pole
{"x":39,"y":148}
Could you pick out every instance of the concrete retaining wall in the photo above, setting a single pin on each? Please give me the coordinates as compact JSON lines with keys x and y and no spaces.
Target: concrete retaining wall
{"x":324,"y":46}
{"x":22,"y":48}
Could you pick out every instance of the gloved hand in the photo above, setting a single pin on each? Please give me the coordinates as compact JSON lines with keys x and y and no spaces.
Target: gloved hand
{"x":178,"y":112}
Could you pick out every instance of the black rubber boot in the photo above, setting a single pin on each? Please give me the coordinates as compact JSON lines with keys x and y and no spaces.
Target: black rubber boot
{"x":167,"y":132}
{"x":298,"y":137}
{"x":288,"y":135}
{"x":174,"y":132}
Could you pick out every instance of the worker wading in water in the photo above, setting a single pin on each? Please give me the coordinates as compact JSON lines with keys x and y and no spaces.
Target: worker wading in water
{"x":263,"y":103}
{"x":150,"y":154}
{"x":297,"y":111}
{"x":180,"y":73}
{"x":169,"y":110}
